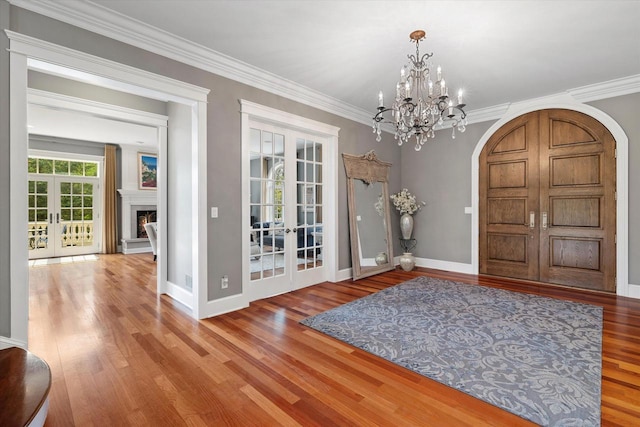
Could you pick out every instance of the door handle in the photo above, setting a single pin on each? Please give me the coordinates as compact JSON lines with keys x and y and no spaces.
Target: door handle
{"x":50,"y":218}
{"x":288,"y":230}
{"x":57,"y":218}
{"x":532,"y":219}
{"x":544,"y":220}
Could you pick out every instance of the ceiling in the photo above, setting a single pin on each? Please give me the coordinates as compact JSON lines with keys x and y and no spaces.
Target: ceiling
{"x":497,"y":51}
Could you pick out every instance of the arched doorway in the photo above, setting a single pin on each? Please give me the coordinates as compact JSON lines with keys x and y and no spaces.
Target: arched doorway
{"x":547,"y":200}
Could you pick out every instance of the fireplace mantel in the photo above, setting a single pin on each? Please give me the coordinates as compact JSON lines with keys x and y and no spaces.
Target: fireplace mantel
{"x":146,"y":198}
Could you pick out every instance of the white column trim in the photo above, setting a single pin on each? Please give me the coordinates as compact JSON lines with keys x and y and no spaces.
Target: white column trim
{"x":18,"y":152}
{"x":199,"y":210}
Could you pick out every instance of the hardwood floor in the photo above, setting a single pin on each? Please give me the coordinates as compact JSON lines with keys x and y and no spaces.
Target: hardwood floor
{"x":119,"y":355}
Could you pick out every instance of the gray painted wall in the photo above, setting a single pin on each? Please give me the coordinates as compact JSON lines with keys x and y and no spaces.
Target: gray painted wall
{"x":624,"y":110}
{"x":440,"y":175}
{"x":5,"y":173}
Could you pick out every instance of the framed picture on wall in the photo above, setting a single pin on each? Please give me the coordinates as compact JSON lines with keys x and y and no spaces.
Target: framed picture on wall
{"x":147,"y":171}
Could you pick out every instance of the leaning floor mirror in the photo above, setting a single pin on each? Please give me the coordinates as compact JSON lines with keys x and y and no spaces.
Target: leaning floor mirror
{"x":368,"y":198}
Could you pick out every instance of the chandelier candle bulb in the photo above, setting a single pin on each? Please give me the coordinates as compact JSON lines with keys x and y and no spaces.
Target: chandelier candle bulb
{"x":380,"y":99}
{"x":439,"y":73}
{"x":403,"y":76}
{"x":459,"y":97}
{"x":443,"y":87}
{"x":450,"y":108}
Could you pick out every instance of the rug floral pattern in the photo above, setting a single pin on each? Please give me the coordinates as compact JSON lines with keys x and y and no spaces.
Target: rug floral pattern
{"x":537,"y":357}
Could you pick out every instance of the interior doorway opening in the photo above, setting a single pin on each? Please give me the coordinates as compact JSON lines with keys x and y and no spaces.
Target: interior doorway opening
{"x":27,"y":53}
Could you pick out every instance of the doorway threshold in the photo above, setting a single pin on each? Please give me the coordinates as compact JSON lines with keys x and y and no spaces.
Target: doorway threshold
{"x":62,"y":260}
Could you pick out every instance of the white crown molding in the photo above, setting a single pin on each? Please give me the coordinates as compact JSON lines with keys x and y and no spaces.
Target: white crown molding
{"x":486,"y":114}
{"x":97,"y":19}
{"x":608,"y":89}
{"x":100,"y":20}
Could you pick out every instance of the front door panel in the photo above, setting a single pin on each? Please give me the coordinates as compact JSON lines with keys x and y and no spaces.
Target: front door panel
{"x":577,"y":196}
{"x":509,"y":172}
{"x":547,"y":201}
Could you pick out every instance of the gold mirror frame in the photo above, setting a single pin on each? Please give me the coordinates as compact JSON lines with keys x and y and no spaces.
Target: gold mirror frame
{"x":370,"y":170}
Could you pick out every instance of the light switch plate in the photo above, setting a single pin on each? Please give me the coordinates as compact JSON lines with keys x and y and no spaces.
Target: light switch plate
{"x":214,"y":212}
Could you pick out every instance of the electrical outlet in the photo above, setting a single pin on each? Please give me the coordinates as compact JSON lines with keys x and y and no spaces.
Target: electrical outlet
{"x":224,"y":282}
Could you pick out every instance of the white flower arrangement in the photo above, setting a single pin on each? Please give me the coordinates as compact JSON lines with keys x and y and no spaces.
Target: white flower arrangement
{"x":406,"y":203}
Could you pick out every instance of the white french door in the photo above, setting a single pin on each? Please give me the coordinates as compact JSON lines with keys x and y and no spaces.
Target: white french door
{"x":286,"y":210}
{"x":63,"y":216}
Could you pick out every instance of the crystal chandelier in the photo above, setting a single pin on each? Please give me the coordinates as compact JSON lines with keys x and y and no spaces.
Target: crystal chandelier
{"x":422,"y":102}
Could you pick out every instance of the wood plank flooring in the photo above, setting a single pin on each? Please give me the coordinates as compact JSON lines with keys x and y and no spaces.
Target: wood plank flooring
{"x":119,"y":355}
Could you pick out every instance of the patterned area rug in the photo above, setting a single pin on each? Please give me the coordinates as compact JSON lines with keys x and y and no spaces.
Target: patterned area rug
{"x":539,"y":358}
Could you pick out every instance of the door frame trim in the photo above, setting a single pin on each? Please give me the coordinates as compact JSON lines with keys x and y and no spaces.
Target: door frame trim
{"x":567,"y":102}
{"x":26,"y":53}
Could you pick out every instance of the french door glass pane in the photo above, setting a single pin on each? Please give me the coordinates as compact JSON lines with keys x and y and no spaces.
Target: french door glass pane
{"x":61,"y":167}
{"x":76,"y":225}
{"x":309,"y":203}
{"x":45,"y":166}
{"x":267,"y":204}
{"x":38,"y":212}
{"x":76,"y":168}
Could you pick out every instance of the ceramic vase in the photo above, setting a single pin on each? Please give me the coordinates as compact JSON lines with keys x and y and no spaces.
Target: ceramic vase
{"x":407,"y":261}
{"x":406,"y":226}
{"x":381,"y":258}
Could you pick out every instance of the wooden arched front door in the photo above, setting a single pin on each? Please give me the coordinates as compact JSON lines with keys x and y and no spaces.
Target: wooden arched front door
{"x":547,"y":201}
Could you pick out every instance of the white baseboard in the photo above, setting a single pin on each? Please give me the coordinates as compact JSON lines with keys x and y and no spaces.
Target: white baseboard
{"x":344,"y":274}
{"x":6,"y":342}
{"x":634,"y":291}
{"x":136,"y":251}
{"x":180,"y":294}
{"x":224,"y":305}
{"x":437,"y":264}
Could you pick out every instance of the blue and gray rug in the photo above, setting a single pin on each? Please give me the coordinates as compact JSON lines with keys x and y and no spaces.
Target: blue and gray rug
{"x":539,"y":358}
